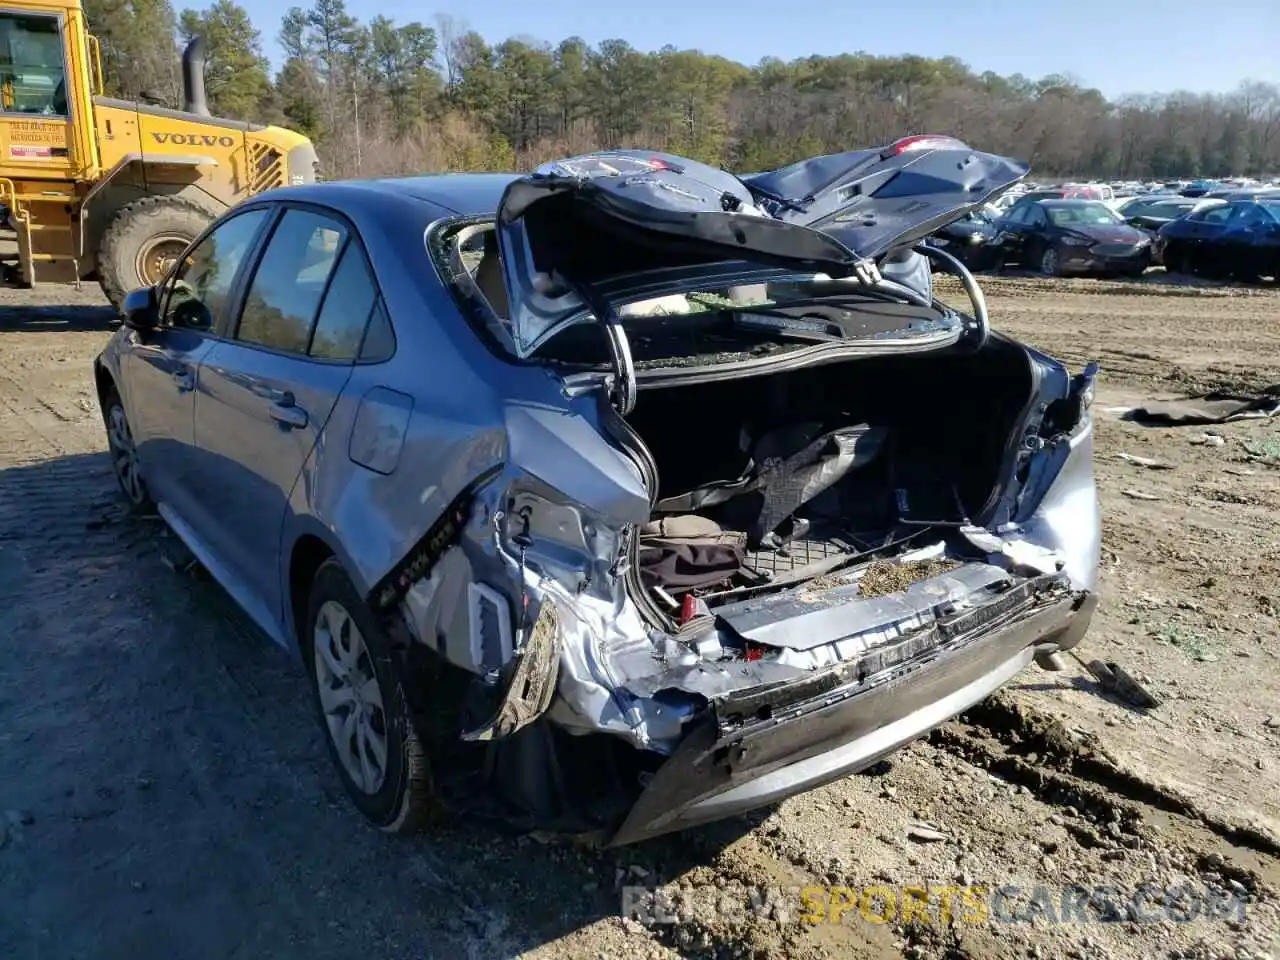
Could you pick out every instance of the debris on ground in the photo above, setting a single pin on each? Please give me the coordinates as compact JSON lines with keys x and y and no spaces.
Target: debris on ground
{"x":1216,"y":407}
{"x":1209,"y":440}
{"x":1149,"y":462}
{"x":1139,"y":495}
{"x":1116,"y":681}
{"x":924,"y":833}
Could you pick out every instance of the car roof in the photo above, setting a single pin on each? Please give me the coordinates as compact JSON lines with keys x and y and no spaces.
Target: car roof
{"x":1070,"y":202}
{"x":464,"y":194}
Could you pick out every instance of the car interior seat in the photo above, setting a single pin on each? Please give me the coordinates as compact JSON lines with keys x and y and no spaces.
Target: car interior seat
{"x":488,"y":276}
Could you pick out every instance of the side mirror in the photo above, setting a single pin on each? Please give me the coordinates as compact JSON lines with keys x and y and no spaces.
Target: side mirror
{"x":141,"y":312}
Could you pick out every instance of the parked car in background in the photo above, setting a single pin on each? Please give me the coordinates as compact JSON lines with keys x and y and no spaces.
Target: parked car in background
{"x":1152,"y":214}
{"x":1058,"y":237}
{"x":969,"y":241}
{"x":1198,"y":188}
{"x":521,"y":578}
{"x":1239,"y":239}
{"x":1242,"y":193}
{"x":1134,"y":204}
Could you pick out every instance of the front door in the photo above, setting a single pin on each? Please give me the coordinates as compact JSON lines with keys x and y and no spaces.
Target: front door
{"x":268,"y":388}
{"x":162,"y":367}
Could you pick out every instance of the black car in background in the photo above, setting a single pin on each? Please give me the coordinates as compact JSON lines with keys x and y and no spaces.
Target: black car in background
{"x":1152,"y":213}
{"x":1239,"y":239}
{"x":968,"y":240}
{"x":1060,"y":237}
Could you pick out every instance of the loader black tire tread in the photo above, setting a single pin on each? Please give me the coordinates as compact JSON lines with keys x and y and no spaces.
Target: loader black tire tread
{"x":132,"y":225}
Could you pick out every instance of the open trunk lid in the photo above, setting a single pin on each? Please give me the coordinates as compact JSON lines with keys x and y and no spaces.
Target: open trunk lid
{"x":605,"y":216}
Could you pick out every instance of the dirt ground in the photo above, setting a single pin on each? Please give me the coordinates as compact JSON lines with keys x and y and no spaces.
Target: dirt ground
{"x":164,"y":790}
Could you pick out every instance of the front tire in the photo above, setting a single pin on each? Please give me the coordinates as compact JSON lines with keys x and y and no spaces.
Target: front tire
{"x":142,"y":242}
{"x":362,"y":707}
{"x":124,"y":454}
{"x":1049,"y":265}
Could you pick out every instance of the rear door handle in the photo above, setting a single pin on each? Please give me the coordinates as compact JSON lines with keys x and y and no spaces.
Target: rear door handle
{"x":288,"y":415}
{"x":183,"y":380}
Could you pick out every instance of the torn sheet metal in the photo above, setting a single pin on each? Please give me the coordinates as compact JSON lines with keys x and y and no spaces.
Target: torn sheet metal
{"x":839,"y":614}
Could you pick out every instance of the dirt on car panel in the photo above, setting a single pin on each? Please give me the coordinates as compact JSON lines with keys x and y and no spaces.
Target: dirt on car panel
{"x":147,"y":710}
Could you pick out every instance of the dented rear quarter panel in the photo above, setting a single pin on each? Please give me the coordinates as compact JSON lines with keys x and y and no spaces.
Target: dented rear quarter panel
{"x":411,"y":433}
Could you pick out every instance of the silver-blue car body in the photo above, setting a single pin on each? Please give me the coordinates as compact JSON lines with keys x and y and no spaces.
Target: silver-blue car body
{"x":623,"y":496}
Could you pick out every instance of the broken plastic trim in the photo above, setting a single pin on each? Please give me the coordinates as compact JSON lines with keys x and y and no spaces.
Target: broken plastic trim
{"x":976,"y":296}
{"x":418,"y":563}
{"x":530,"y":680}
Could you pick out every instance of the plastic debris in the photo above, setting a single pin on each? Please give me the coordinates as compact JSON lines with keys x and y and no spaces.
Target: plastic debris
{"x":1139,"y":495}
{"x":1148,"y":462}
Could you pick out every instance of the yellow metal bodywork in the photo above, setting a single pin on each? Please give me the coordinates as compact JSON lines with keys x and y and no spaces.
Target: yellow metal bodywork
{"x":62,"y":177}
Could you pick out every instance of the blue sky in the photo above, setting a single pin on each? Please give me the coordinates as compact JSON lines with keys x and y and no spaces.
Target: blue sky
{"x":1119,"y":47}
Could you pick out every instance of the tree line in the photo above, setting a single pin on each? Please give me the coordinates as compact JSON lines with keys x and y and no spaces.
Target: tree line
{"x":383,"y":98}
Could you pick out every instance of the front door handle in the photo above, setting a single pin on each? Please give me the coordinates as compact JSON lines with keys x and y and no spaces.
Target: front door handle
{"x":183,"y":380}
{"x":288,"y":416}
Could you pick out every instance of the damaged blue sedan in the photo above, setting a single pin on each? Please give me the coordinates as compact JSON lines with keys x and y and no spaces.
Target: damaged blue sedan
{"x":619,"y":497}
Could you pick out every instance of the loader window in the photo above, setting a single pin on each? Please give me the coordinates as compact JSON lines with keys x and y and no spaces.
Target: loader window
{"x":32,"y":72}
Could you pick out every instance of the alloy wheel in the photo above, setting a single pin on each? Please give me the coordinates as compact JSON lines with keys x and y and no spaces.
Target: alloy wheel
{"x":124,"y":455}
{"x":1049,"y":263}
{"x":350,"y":697}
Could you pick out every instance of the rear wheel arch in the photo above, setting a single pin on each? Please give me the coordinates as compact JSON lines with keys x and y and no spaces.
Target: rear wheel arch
{"x":307,"y":556}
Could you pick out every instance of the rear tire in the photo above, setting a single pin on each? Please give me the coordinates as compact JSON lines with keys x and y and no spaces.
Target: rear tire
{"x":362,"y":706}
{"x":142,"y":239}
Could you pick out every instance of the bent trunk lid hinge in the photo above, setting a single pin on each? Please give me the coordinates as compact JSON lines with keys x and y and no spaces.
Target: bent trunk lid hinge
{"x":622,"y":392}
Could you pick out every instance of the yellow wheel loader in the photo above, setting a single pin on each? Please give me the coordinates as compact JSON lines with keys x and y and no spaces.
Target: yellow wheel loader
{"x":93,"y":186}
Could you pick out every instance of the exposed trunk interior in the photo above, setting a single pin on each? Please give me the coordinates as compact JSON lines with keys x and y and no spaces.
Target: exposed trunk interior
{"x":944,"y":428}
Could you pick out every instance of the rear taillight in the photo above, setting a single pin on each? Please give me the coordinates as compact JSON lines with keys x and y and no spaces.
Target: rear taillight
{"x":924,"y":141}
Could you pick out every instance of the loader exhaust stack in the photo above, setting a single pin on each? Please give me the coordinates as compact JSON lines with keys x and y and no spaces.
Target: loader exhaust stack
{"x":193,"y":62}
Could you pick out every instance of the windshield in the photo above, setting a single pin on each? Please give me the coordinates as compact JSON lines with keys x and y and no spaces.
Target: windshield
{"x":1082,"y":214}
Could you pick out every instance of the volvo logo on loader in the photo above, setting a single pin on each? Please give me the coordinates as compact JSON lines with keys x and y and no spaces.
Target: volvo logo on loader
{"x":194,"y":139}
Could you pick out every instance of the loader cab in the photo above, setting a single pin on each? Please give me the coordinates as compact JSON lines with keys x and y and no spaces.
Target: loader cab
{"x":46,"y":82}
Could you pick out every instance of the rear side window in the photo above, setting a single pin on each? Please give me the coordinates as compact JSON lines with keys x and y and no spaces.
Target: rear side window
{"x":347,"y":306}
{"x":380,"y":340}
{"x":283,"y":299}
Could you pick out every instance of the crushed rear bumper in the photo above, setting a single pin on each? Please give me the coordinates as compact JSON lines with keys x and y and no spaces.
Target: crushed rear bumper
{"x":763,"y":744}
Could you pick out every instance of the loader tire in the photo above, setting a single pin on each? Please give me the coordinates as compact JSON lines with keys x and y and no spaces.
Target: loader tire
{"x":142,"y":241}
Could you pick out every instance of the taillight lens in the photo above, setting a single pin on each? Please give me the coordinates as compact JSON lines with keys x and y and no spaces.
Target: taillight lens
{"x":924,"y":141}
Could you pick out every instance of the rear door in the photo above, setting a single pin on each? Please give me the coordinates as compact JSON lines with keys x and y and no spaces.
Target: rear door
{"x":1248,"y":241}
{"x":269,"y":386}
{"x":1204,"y":231}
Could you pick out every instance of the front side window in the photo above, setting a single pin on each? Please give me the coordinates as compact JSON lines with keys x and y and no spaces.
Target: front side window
{"x":281,"y":304}
{"x":197,"y":293}
{"x":32,"y":72}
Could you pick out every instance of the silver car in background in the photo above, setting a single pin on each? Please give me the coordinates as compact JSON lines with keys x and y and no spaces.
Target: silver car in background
{"x":619,"y":497}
